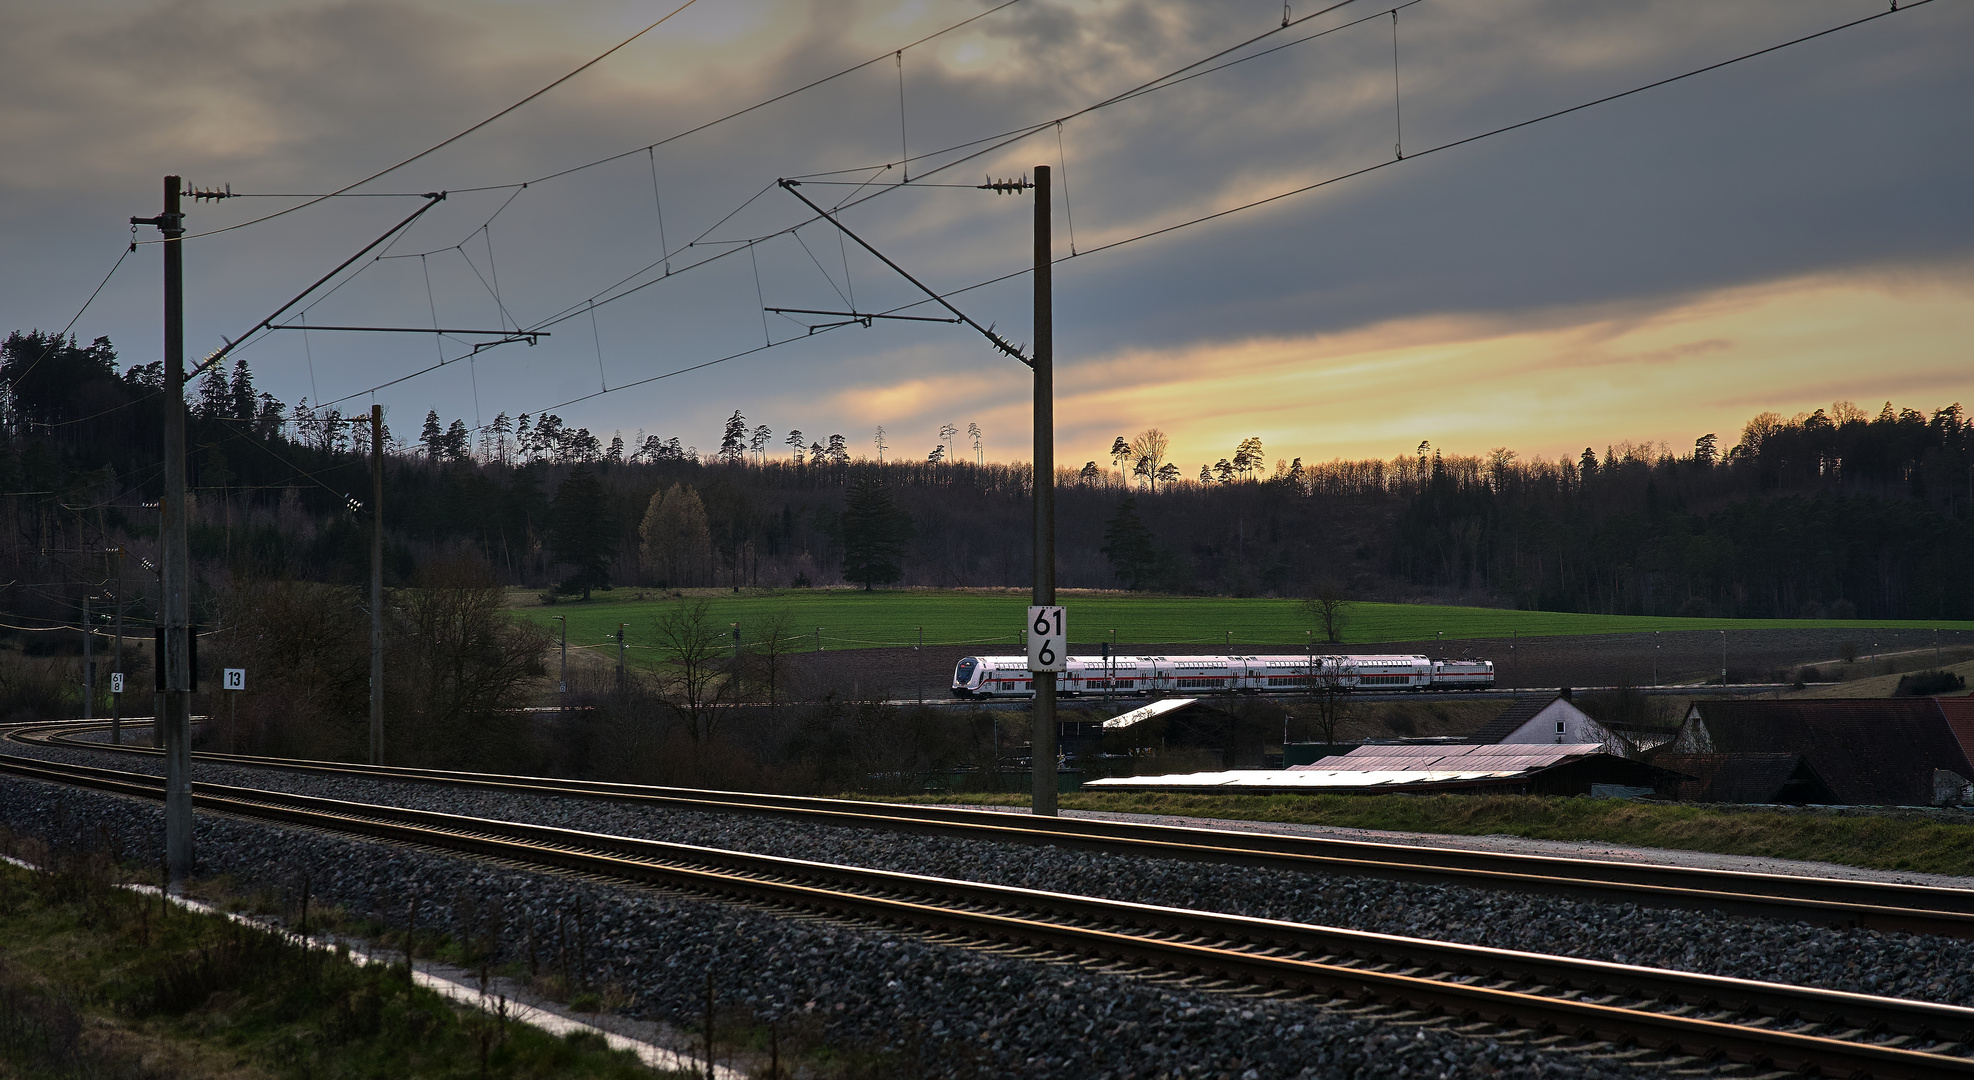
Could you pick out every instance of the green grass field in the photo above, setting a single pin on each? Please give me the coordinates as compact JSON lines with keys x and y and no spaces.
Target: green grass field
{"x":990,"y":621}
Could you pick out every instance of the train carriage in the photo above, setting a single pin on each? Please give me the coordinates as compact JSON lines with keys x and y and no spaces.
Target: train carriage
{"x":1008,"y":676}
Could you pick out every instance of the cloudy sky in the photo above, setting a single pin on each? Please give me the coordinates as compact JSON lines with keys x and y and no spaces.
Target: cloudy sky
{"x":1774,"y":235}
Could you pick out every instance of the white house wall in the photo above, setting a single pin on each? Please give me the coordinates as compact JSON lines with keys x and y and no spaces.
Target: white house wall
{"x":1562,"y":722}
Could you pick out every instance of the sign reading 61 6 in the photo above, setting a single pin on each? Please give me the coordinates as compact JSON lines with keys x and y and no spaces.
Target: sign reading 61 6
{"x":1048,"y":639}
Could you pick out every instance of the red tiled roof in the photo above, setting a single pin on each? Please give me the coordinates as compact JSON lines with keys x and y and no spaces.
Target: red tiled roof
{"x":1959,"y":712}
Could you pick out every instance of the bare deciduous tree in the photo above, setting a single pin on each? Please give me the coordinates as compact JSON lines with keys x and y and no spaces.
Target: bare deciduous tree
{"x":1329,"y":607}
{"x":697,"y":678}
{"x":1148,"y":453}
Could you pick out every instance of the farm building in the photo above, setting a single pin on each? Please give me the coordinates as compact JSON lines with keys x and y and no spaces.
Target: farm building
{"x":1547,"y":769}
{"x":1555,"y":718}
{"x":1239,"y":741}
{"x":1883,"y":752}
{"x":1746,"y":778}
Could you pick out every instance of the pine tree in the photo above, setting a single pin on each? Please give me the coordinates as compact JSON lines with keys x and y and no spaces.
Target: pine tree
{"x":215,"y":397}
{"x":433,"y":435}
{"x":245,"y":403}
{"x":874,"y":534}
{"x":1128,"y":545}
{"x":733,"y":445}
{"x":581,"y":533}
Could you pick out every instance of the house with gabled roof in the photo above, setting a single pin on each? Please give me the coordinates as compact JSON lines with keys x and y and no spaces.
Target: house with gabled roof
{"x":1555,"y":719}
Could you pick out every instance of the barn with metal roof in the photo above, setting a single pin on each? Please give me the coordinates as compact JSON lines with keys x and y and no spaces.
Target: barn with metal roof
{"x":1544,"y":769}
{"x":1868,"y":752}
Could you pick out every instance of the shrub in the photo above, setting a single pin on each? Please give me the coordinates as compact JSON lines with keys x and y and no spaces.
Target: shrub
{"x":1843,"y":609}
{"x":1925,"y":683}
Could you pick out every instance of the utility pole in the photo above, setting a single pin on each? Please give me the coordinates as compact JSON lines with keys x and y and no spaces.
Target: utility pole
{"x":116,"y":699}
{"x":175,"y":666}
{"x":562,"y":686}
{"x":621,"y":686}
{"x":376,"y":584}
{"x":88,"y":663}
{"x":1043,"y":742}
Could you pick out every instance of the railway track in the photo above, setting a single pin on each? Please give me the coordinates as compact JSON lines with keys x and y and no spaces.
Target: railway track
{"x":1824,"y":901}
{"x":1619,"y":1009}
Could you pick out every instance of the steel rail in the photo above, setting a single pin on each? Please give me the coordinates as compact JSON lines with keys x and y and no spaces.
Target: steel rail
{"x":1795,"y":1026}
{"x":1884,"y":906}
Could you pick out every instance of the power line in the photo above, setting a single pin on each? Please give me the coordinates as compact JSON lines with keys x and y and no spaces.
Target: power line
{"x":1144,"y":88}
{"x":751,"y":108}
{"x":445,"y":143}
{"x":603,"y":296}
{"x":63,"y":336}
{"x":1332,"y":180}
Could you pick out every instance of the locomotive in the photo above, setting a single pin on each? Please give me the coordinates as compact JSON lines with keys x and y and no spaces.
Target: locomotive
{"x":1008,"y":676}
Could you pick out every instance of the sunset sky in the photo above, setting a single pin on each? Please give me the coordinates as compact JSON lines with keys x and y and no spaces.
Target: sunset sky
{"x":1776,"y":235}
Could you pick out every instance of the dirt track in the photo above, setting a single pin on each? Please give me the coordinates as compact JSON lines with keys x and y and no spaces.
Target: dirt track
{"x":1587,"y":660}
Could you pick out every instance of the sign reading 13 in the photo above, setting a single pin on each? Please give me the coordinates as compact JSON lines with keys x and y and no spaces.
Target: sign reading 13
{"x":1048,"y":639}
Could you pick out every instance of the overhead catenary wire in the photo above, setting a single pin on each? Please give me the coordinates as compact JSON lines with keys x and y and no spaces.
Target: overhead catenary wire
{"x":1001,"y":140}
{"x":737,"y":113}
{"x":431,"y":199}
{"x":1397,"y":102}
{"x":428,"y":151}
{"x":605,"y":296}
{"x":93,"y":294}
{"x":940,"y":297}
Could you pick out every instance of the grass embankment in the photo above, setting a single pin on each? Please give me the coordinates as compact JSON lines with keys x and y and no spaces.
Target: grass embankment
{"x":989,"y":620}
{"x":1894,"y":841}
{"x":99,"y":981}
{"x":1882,"y":686}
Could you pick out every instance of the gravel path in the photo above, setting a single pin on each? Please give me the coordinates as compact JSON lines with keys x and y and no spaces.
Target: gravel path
{"x":1865,"y":961}
{"x":903,"y":1007}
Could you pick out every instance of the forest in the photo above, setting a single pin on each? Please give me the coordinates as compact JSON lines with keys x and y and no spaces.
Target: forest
{"x":1841,"y":512}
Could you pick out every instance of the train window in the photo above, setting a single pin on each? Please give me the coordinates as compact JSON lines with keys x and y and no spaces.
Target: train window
{"x":964,"y":673}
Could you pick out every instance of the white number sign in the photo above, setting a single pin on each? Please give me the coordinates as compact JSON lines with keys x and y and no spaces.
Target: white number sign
{"x":116,"y":682}
{"x":236,"y":679}
{"x":1048,"y":639}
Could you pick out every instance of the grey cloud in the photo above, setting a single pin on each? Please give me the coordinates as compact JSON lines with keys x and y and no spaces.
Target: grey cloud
{"x":1844,"y":153}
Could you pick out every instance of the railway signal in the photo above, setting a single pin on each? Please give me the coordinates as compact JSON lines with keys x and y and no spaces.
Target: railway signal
{"x":233,"y":678}
{"x":1048,"y":639}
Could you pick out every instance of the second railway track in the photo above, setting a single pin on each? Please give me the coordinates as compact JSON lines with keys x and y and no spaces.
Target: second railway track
{"x":1671,"y":1012}
{"x":1883,"y":906}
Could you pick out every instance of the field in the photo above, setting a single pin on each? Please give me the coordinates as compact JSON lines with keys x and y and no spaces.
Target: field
{"x":982,"y":620}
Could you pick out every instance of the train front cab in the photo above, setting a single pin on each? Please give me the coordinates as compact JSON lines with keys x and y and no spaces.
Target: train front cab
{"x":967,"y":676}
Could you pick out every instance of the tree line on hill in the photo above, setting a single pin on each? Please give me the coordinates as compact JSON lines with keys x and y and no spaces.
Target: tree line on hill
{"x":1834,"y":513}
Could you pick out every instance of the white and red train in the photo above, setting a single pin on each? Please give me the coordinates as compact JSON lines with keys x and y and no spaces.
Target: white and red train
{"x":1008,"y":676}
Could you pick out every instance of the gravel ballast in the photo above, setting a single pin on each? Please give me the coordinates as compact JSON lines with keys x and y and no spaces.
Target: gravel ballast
{"x":908,"y":1008}
{"x":1864,"y":961}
